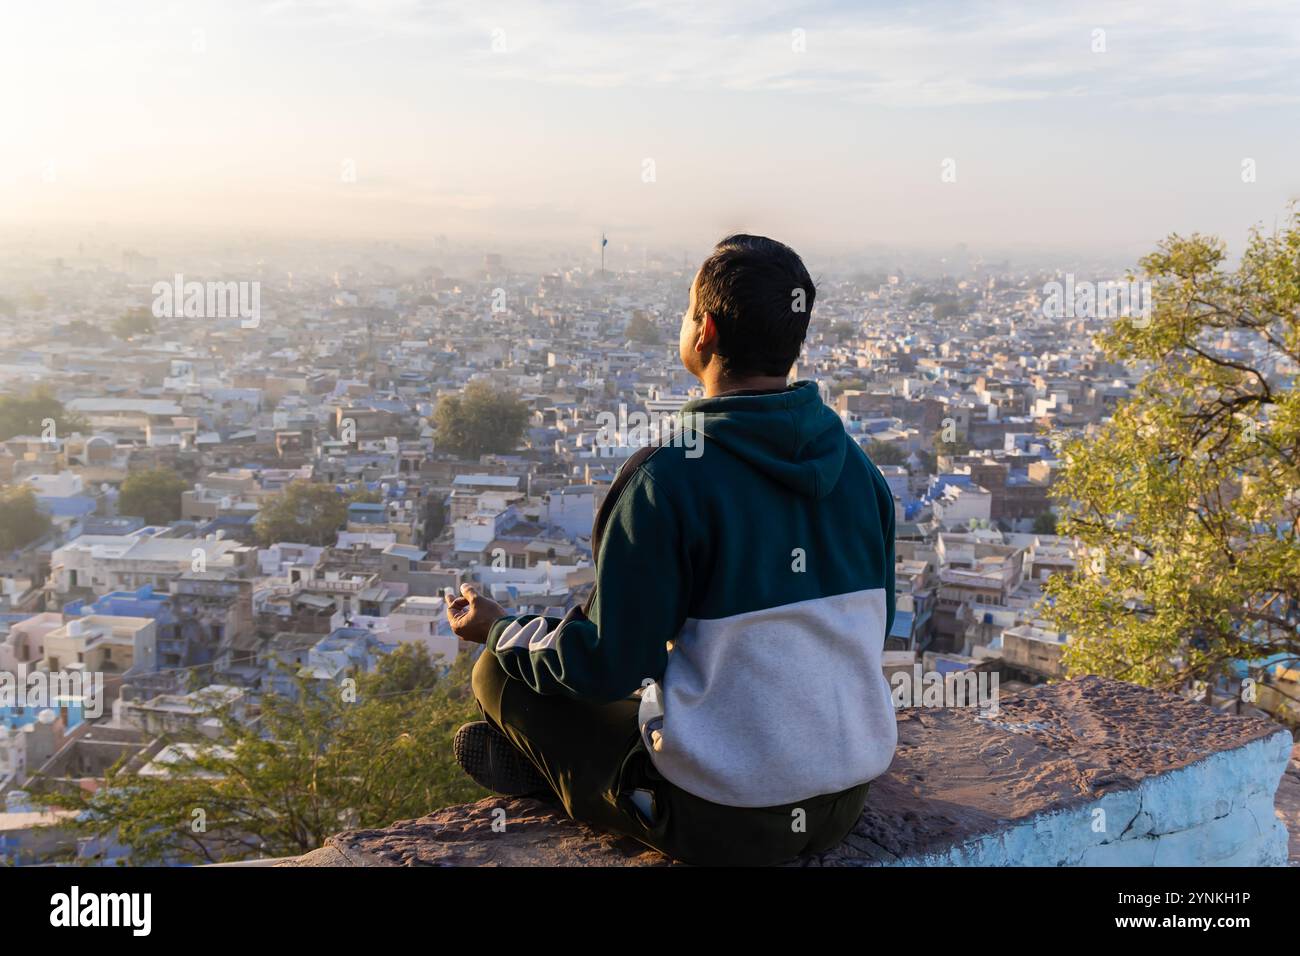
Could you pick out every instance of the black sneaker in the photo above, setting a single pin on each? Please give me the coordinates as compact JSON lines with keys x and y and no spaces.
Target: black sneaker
{"x":496,"y":764}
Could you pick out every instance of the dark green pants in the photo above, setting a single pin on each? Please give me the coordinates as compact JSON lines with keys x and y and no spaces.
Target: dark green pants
{"x":593,"y":757}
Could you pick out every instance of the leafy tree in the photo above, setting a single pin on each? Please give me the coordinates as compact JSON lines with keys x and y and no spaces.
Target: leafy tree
{"x":956,"y":447}
{"x":949,"y":307}
{"x":435,"y":519}
{"x":841,"y":330}
{"x":325,"y":761}
{"x":154,"y":495}
{"x":946,"y":304}
{"x":479,"y":421}
{"x":1045,"y":523}
{"x":928,"y":462}
{"x":1187,"y":500}
{"x":305,"y":512}
{"x":133,"y":323}
{"x":21,"y":520}
{"x":80,"y":330}
{"x":28,"y":414}
{"x":641,"y":329}
{"x":839,"y":385}
{"x":883,"y":453}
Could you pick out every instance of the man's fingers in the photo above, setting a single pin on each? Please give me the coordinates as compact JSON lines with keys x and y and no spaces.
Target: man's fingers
{"x":468,"y":592}
{"x":457,"y":607}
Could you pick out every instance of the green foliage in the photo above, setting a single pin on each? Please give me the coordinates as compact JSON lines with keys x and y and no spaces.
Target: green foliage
{"x":883,"y":453}
{"x":21,"y":521}
{"x":946,"y":304}
{"x":1045,"y":523}
{"x":958,"y":446}
{"x":949,"y":308}
{"x":154,"y":495}
{"x":479,"y":421}
{"x":840,"y":385}
{"x":641,"y":329}
{"x":1187,"y":500}
{"x":133,"y":323}
{"x":305,"y":512}
{"x":841,"y":331}
{"x":435,"y":519}
{"x":328,"y":761}
{"x":80,"y":330}
{"x":28,"y":414}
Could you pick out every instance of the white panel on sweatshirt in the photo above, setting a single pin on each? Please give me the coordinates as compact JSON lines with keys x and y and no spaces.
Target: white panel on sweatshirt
{"x":531,"y":636}
{"x":775,"y":706}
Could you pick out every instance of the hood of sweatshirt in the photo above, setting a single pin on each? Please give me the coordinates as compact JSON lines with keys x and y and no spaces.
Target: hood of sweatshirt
{"x":790,"y":436}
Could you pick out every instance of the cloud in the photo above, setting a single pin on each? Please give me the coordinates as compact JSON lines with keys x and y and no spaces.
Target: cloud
{"x":931,"y":54}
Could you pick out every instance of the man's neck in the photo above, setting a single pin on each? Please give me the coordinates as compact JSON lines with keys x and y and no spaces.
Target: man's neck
{"x":721,"y":384}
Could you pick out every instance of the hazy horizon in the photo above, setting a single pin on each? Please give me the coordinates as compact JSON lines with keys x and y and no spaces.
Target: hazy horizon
{"x":508,"y":123}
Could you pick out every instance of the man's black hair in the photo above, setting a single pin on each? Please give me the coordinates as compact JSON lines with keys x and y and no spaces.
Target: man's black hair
{"x":761,"y":296}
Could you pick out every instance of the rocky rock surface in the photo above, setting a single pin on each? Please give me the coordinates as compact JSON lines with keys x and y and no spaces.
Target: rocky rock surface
{"x":1288,"y":804}
{"x":1089,"y":771}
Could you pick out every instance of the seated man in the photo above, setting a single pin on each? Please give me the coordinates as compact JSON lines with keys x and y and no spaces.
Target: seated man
{"x":720,"y":698}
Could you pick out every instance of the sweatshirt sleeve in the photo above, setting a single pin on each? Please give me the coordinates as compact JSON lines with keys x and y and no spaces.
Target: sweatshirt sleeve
{"x":640,"y":605}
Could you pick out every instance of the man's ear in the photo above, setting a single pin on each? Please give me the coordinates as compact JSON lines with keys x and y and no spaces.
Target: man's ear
{"x":707,"y":337}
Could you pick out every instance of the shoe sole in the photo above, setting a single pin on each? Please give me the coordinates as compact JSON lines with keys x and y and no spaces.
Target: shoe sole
{"x":494,"y":763}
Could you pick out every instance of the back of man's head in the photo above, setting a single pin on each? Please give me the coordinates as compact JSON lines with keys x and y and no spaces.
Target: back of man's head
{"x":761,"y":297}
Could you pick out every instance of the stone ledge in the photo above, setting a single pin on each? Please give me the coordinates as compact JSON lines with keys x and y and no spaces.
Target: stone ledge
{"x":1085,"y":772}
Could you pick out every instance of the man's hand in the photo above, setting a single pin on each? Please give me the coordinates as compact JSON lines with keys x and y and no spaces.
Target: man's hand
{"x":472,"y":615}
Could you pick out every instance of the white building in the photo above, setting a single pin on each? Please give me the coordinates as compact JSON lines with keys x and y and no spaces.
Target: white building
{"x":424,"y":619}
{"x":959,"y":505}
{"x":572,"y":509}
{"x":106,"y":563}
{"x":475,"y":532}
{"x":103,"y":643}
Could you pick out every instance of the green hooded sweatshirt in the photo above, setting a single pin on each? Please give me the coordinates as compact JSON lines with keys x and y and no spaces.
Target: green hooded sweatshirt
{"x":745,"y":578}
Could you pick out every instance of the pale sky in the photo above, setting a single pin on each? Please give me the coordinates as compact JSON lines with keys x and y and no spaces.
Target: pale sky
{"x":815,"y":122}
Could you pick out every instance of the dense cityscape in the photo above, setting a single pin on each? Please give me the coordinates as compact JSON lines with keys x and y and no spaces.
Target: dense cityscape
{"x":240,"y":486}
